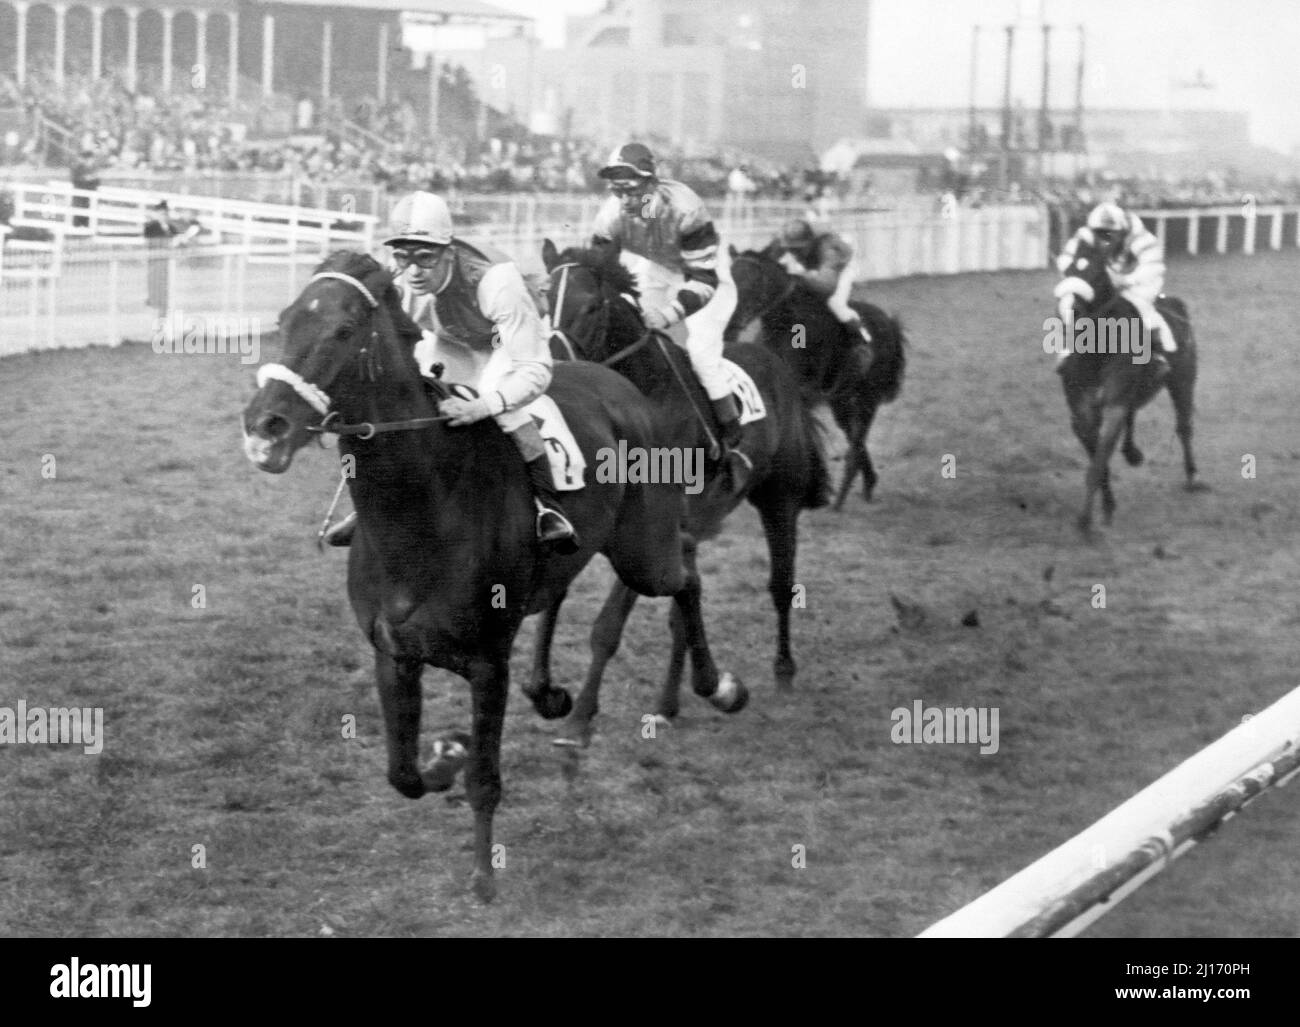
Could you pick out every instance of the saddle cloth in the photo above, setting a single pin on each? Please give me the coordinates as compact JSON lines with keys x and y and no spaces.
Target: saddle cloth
{"x":746,"y":392}
{"x":567,"y":462}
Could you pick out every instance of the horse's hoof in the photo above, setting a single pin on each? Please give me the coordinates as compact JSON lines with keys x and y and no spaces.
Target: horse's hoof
{"x":484,"y":886}
{"x":785,"y":682}
{"x":731,"y":695}
{"x":553,"y":704}
{"x":1134,"y":457}
{"x":1192,"y":485}
{"x":575,"y":736}
{"x":662,"y":721}
{"x":449,"y":757}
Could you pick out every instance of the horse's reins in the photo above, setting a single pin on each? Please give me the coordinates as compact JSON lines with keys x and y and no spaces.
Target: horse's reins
{"x":319,"y":400}
{"x":650,"y":333}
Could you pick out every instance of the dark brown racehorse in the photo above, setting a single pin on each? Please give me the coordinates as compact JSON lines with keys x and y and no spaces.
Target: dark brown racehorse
{"x":854,"y":379}
{"x":1104,"y":390}
{"x":593,"y":300}
{"x":444,"y":565}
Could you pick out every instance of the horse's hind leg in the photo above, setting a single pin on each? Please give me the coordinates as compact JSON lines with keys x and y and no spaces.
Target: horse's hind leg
{"x":400,"y":699}
{"x":1180,"y":391}
{"x":1132,"y":454}
{"x":670,"y":692}
{"x":725,"y":693}
{"x":489,"y":688}
{"x":869,"y":478}
{"x":781,"y":528}
{"x":550,"y":703}
{"x":850,"y":422}
{"x":606,"y":634}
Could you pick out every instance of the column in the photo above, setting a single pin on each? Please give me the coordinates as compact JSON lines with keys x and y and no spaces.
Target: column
{"x":381,"y":83}
{"x":132,"y":46}
{"x":167,"y":15}
{"x":20,"y":69}
{"x":60,"y":40}
{"x":433,"y":97}
{"x":96,"y":42}
{"x":1193,"y":232}
{"x":326,"y":56}
{"x":1252,"y":224}
{"x":1221,"y":242}
{"x":1275,"y":230}
{"x":201,"y":43}
{"x":233,"y":68}
{"x":268,"y":54}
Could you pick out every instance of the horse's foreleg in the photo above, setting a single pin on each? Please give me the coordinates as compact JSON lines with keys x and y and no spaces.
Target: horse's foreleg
{"x":780,"y":527}
{"x":399,"y":697}
{"x":869,"y":478}
{"x":850,"y":423}
{"x":550,"y":703}
{"x":1098,"y":476}
{"x":670,"y":693}
{"x":1130,"y":450}
{"x":606,"y":634}
{"x":489,"y":688}
{"x":726,"y":693}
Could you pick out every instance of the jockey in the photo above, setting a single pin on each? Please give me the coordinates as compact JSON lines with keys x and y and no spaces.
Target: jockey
{"x":1136,"y":263}
{"x":824,"y":261}
{"x":664,"y":223}
{"x":480,"y":322}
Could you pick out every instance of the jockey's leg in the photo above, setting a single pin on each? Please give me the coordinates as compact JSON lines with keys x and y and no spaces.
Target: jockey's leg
{"x":704,"y":348}
{"x":1155,"y":328}
{"x":553,"y":525}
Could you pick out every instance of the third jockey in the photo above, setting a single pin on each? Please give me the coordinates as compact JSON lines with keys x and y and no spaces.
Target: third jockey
{"x":480,"y":322}
{"x":1136,"y":263}
{"x":664,"y":223}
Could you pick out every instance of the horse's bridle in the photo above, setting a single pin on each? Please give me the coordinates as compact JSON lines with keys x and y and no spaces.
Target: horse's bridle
{"x":316,"y":397}
{"x":568,"y":342}
{"x":786,"y":292}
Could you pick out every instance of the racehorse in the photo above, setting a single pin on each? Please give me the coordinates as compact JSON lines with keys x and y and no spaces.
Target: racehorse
{"x":853,"y":379}
{"x":444,"y":565}
{"x":1104,"y":390}
{"x":593,"y":298}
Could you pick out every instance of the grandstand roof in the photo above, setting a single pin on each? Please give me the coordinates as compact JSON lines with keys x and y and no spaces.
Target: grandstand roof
{"x":471,"y":9}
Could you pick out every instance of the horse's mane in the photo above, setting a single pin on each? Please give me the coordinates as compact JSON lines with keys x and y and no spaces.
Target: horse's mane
{"x":604,"y":263}
{"x":377,"y":278}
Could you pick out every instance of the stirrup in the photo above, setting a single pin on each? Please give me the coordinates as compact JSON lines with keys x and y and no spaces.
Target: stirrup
{"x":737,"y":475}
{"x":341,"y":534}
{"x":554,"y":529}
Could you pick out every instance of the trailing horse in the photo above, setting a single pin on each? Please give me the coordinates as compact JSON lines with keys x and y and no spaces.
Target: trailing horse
{"x":593,"y":300}
{"x":1110,"y":372}
{"x":852,"y":377}
{"x":444,"y":565}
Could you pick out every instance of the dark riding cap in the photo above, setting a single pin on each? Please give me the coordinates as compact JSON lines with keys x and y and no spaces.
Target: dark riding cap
{"x":630,"y":161}
{"x":797,"y":234}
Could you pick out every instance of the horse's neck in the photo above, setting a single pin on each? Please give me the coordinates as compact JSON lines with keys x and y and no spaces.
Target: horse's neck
{"x":659,"y":369}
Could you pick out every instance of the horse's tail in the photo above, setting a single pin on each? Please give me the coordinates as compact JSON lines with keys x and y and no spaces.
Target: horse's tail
{"x":892,"y":360}
{"x":818,"y":491}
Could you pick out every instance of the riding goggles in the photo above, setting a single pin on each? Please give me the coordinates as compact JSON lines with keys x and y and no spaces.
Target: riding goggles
{"x":422,"y":258}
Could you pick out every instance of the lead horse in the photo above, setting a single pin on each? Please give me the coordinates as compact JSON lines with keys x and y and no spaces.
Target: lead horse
{"x":593,"y":299}
{"x":1106,"y":387}
{"x":444,"y":565}
{"x":854,"y":379}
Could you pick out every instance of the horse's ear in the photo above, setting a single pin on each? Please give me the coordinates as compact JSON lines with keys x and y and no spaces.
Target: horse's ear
{"x":731,"y":248}
{"x":550,"y":255}
{"x":407,"y":330}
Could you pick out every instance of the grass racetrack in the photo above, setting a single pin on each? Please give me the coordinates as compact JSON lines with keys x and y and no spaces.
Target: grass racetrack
{"x":223,"y":725}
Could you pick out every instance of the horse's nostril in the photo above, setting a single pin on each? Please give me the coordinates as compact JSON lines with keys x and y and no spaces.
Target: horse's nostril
{"x":273,"y":427}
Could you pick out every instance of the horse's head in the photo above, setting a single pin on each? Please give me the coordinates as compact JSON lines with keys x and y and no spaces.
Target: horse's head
{"x":761,"y":283}
{"x":593,"y":299}
{"x":1086,"y":288}
{"x":345,"y":339}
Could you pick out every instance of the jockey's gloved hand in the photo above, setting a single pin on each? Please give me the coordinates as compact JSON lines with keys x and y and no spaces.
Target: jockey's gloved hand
{"x":466,"y":411}
{"x":660,"y":319}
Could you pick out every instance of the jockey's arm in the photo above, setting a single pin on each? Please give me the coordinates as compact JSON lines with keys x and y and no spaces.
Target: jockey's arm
{"x":503,"y":297}
{"x":1066,"y":258}
{"x":1148,"y":274}
{"x":700,"y":266}
{"x":831,"y":256}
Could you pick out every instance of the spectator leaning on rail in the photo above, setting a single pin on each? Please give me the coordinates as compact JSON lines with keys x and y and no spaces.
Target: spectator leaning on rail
{"x":1136,"y":263}
{"x":480,"y":323}
{"x":664,"y":223}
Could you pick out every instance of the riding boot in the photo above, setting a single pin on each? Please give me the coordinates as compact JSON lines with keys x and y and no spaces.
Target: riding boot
{"x":553,"y":525}
{"x":341,"y":534}
{"x":738,"y":465}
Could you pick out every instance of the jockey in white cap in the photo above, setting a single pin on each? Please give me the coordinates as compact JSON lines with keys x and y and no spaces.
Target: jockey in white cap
{"x":1136,"y":263}
{"x":480,"y":322}
{"x":664,"y":223}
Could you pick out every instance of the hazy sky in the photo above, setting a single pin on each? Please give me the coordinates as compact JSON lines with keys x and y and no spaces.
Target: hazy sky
{"x":1136,"y":51}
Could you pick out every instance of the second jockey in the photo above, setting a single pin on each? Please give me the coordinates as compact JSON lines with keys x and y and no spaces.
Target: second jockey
{"x":664,"y":223}
{"x":1135,"y":261}
{"x":480,"y":322}
{"x":824,"y":261}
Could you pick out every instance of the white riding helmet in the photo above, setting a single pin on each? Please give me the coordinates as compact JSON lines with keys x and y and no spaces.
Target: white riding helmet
{"x":420,"y":217}
{"x":1108,"y":217}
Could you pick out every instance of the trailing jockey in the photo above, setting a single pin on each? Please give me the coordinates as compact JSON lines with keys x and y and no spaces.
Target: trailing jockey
{"x":480,"y":322}
{"x":1135,"y":261}
{"x":664,"y":223}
